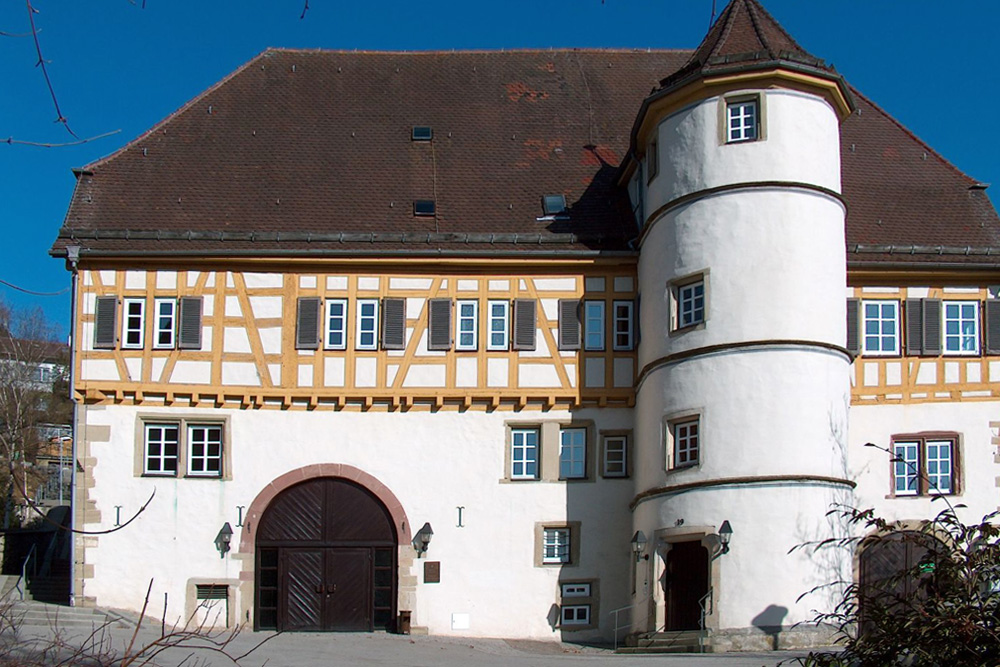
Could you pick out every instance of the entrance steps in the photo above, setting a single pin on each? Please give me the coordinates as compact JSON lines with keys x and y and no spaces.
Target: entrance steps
{"x":682,"y":641}
{"x":31,"y":613}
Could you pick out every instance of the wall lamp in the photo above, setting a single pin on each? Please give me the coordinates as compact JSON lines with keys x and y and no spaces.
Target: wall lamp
{"x":639,"y":545}
{"x":223,"y":539}
{"x":725,"y":535}
{"x":423,"y":539}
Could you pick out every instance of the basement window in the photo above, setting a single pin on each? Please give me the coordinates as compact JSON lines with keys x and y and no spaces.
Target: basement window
{"x":553,"y":204}
{"x":424,"y":207}
{"x":422,"y":133}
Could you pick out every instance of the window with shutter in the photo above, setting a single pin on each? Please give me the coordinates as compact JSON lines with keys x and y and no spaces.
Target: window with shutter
{"x":932,"y":327}
{"x":393,"y":324}
{"x":367,"y":329}
{"x":439,"y":324}
{"x":307,"y":324}
{"x":992,"y":324}
{"x":499,"y":325}
{"x":104,"y":322}
{"x":914,"y":326}
{"x":133,"y":323}
{"x":524,"y":324}
{"x":189,"y":327}
{"x":164,"y":323}
{"x":853,"y":324}
{"x":336,"y":324}
{"x":593,"y":325}
{"x":467,"y":326}
{"x":623,"y":336}
{"x":569,"y":324}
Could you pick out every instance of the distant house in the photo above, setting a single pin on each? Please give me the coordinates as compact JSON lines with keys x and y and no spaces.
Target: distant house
{"x":505,"y":344}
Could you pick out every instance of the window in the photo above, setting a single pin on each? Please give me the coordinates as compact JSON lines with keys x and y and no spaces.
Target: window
{"x":193,"y":447}
{"x":336,"y":324}
{"x":553,"y":204}
{"x":961,"y":327}
{"x":165,"y":312}
{"x":555,"y":545}
{"x":367,"y":324}
{"x":690,"y":304}
{"x":593,"y":325}
{"x":573,"y":453}
{"x":577,"y":614}
{"x":686,"y":445}
{"x":133,"y":323}
{"x":467,"y":335}
{"x":741,"y":117}
{"x":204,"y":450}
{"x":424,"y":207}
{"x":422,"y":133}
{"x":652,"y":161}
{"x":581,"y":590}
{"x":499,"y":325}
{"x":162,"y":441}
{"x":623,"y":325}
{"x":615,"y":456}
{"x":524,"y":453}
{"x":924,"y":465}
{"x":881,"y":327}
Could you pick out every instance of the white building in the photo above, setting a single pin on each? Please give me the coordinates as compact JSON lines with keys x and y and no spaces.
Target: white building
{"x":512,"y":296}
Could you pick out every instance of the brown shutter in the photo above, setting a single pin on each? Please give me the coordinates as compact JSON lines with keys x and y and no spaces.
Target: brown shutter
{"x":307,"y":324}
{"x":393,"y":324}
{"x":914,"y":327}
{"x":105,"y":327}
{"x":523,"y":334}
{"x":569,"y":324}
{"x":189,"y":324}
{"x":853,"y":326}
{"x":992,"y":323}
{"x":439,"y":324}
{"x":932,"y":327}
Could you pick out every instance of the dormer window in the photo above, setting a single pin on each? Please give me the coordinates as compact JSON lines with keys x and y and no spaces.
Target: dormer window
{"x":553,"y":204}
{"x":424,"y":207}
{"x":422,"y":133}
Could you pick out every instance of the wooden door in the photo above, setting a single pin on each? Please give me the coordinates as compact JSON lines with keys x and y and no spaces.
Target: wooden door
{"x":325,"y":589}
{"x":348,"y":590}
{"x":687,"y":584}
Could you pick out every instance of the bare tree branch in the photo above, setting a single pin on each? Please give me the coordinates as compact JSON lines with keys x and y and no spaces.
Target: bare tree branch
{"x":305,"y":8}
{"x":15,"y":34}
{"x":40,"y":144}
{"x":45,"y":72}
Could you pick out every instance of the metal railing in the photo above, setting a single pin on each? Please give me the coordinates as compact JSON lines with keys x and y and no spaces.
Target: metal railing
{"x":22,"y":582}
{"x":705,"y":605}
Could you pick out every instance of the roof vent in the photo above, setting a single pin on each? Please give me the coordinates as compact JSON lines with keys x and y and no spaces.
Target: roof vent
{"x":423,"y":207}
{"x":553,"y":204}
{"x":422,"y":133}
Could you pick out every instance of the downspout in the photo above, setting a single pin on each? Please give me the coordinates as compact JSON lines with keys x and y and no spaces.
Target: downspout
{"x":72,"y":259}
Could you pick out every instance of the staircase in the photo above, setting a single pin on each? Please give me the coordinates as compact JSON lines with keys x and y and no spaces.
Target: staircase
{"x":681,"y":641}
{"x":53,"y":587}
{"x":30,"y":613}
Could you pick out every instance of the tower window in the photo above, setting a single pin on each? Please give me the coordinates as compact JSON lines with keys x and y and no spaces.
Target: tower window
{"x":742,"y":121}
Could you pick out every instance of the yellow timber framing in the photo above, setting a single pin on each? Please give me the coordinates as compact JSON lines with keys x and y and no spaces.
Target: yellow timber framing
{"x":222,"y":281}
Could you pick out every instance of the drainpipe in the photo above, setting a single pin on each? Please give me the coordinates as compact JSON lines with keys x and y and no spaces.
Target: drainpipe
{"x":72,"y":258}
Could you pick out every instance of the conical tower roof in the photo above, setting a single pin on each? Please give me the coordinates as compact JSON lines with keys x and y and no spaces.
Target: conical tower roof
{"x":744,"y":36}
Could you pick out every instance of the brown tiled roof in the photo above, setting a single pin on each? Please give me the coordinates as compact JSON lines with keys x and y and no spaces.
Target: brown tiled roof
{"x":309,"y":152}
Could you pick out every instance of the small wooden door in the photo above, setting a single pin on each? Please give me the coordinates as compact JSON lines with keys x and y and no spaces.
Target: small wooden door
{"x":686,"y":585}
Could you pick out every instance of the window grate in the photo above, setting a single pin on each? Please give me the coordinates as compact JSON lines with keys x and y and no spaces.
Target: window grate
{"x":212,"y":591}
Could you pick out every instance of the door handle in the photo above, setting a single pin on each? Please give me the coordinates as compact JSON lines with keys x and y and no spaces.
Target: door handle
{"x":319,"y":588}
{"x":330,"y":590}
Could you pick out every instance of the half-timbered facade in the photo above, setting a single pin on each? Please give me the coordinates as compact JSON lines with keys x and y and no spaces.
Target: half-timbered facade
{"x":503,"y":344}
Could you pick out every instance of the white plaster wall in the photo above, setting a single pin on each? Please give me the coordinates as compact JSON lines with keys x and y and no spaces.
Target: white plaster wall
{"x":432,"y":462}
{"x":871,"y":469}
{"x":802,"y":133}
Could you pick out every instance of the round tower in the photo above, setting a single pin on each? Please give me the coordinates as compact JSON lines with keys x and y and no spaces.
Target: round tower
{"x":743,"y":393}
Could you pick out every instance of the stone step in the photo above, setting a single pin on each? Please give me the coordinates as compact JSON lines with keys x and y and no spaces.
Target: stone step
{"x":685,"y":641}
{"x":35,"y":614}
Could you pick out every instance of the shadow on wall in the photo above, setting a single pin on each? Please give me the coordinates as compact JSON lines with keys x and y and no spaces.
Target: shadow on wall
{"x":769,"y":622}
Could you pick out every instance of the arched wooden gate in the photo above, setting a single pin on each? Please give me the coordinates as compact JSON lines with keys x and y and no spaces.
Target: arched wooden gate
{"x":326,"y":560}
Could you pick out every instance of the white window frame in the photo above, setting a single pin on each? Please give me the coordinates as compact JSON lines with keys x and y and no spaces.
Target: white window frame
{"x":686,"y":441}
{"x":933,"y":466}
{"x":593,"y":325}
{"x":521,"y":453}
{"x":574,"y":614}
{"x":498,"y":324}
{"x":467,"y":324}
{"x":205,"y":457}
{"x":161,"y":442}
{"x":906,"y":467}
{"x":367,"y":324}
{"x":556,"y":545}
{"x":623,"y":448}
{"x":573,"y":453}
{"x":747,"y":127}
{"x":133,"y":322}
{"x":917,"y":465}
{"x":575,"y":590}
{"x":158,"y":328}
{"x":687,"y":299}
{"x":330,"y":329}
{"x":880,"y":323}
{"x":961,"y":337}
{"x":623,"y":325}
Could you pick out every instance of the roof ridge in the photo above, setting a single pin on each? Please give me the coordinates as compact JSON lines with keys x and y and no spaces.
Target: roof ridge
{"x":972,"y":181}
{"x":433,"y":52}
{"x":755,"y":6}
{"x":187,"y":105}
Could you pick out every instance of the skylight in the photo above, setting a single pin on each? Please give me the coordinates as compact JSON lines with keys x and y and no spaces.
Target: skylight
{"x":553,"y":204}
{"x":423,"y":207}
{"x":422,"y":133}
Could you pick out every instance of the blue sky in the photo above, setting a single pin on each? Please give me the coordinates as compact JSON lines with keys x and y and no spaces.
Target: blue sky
{"x":117,"y":66}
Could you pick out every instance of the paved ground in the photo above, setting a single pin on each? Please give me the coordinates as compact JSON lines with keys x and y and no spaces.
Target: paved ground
{"x":344,"y":650}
